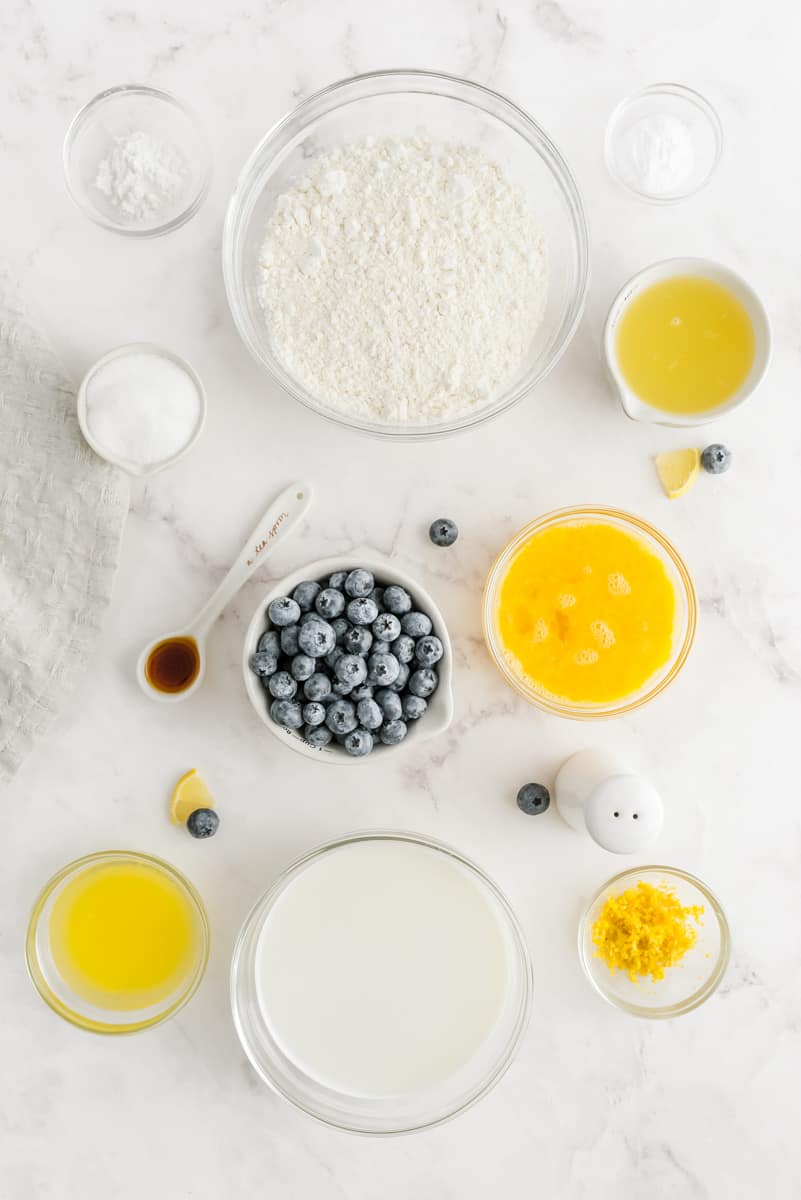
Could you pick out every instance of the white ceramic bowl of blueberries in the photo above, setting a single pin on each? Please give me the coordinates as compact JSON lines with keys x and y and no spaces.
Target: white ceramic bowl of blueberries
{"x":349,"y":658}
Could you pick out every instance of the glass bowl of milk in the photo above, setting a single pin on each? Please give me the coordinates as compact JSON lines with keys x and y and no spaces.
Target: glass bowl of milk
{"x":382,"y":984}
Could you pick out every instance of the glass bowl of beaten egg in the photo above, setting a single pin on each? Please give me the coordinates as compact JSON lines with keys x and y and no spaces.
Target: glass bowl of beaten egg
{"x":589,"y":612}
{"x":690,"y":929}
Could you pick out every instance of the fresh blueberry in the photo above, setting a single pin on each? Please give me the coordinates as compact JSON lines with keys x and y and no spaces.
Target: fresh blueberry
{"x":413,"y":707}
{"x":333,"y":658}
{"x":289,"y":640}
{"x":316,"y":638}
{"x":393,"y":732}
{"x":286,"y":713}
{"x":358,"y":743}
{"x":397,"y":600}
{"x":301,"y":667}
{"x":317,"y":686}
{"x":203,"y":823}
{"x":358,"y":639}
{"x":416,"y":624}
{"x":318,"y":736}
{"x":340,"y":717}
{"x":423,"y":683}
{"x":369,"y":713}
{"x":377,"y":595}
{"x":263,"y":663}
{"x":305,"y":594}
{"x":403,"y":648}
{"x":390,"y":704}
{"x":533,"y":798}
{"x":284,"y":611}
{"x":340,"y":627}
{"x":314,"y":713}
{"x":402,"y":679}
{"x":341,"y":688}
{"x":443,"y":531}
{"x":351,"y":669}
{"x":363,"y":692}
{"x":270,"y":643}
{"x":362,"y":611}
{"x":383,"y":669}
{"x":359,"y":582}
{"x":337,"y":580}
{"x":330,"y":603}
{"x":428,"y":651}
{"x":282,"y":685}
{"x":386,"y":627}
{"x":716,"y":459}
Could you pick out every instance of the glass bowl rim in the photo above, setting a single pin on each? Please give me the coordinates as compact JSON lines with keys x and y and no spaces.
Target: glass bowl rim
{"x":710,"y":984}
{"x":300,"y":116}
{"x":32,"y":959}
{"x":570,"y":515}
{"x":257,"y":915}
{"x":676,"y":90}
{"x":87,"y":110}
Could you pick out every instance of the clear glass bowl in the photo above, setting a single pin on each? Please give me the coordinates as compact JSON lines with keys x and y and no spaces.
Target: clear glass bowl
{"x":671,"y":101}
{"x":407,"y":1112}
{"x":57,"y":993}
{"x":116,"y":113}
{"x":683,"y":633}
{"x":405,"y":103}
{"x":691,"y":981}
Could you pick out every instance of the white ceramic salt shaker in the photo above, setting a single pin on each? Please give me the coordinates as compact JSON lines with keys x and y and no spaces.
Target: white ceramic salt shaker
{"x":597,"y":793}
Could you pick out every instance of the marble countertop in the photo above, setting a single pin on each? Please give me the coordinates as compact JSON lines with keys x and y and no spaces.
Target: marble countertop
{"x":597,"y":1104}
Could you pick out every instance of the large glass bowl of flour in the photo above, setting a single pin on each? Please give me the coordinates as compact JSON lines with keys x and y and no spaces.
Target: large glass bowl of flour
{"x":312,"y":339}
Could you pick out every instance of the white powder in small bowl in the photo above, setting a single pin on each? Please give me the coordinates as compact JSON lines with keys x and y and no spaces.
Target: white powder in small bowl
{"x":142,"y":407}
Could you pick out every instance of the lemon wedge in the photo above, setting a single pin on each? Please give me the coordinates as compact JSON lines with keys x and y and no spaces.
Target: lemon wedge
{"x":191,"y":792}
{"x":677,"y":471}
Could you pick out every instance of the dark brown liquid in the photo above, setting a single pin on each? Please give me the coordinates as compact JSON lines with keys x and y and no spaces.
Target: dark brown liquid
{"x":173,"y":665}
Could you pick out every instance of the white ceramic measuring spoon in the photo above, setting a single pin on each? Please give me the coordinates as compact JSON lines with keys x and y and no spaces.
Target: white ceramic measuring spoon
{"x":281,"y":518}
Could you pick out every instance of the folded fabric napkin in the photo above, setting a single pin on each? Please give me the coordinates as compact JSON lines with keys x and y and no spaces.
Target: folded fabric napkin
{"x":62,"y":511}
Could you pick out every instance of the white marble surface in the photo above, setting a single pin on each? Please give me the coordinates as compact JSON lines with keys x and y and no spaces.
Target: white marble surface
{"x":597,"y":1105}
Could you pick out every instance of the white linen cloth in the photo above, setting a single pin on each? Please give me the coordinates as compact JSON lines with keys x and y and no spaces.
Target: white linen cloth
{"x":62,"y":511}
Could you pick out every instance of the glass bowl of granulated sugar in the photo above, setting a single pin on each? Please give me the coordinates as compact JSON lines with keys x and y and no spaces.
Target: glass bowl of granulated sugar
{"x":136,"y":161}
{"x":406,"y":254}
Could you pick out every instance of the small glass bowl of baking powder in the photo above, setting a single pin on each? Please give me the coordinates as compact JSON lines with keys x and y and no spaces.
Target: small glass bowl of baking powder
{"x":663,"y":143}
{"x":137,"y":161}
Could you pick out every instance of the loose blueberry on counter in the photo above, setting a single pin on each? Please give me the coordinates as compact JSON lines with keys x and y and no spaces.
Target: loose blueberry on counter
{"x":316,"y":638}
{"x":383,"y":669}
{"x":423,"y":683}
{"x":443,"y":531}
{"x":317,"y":686}
{"x":533,"y":798}
{"x":358,"y":743}
{"x":362,"y":611}
{"x":413,"y":707}
{"x":360,"y":583}
{"x":369,"y":714}
{"x":397,"y":600}
{"x":337,"y":580}
{"x":305,"y":594}
{"x":284,"y":611}
{"x":386,"y":627}
{"x":358,"y":639}
{"x":330,"y":603}
{"x":301,"y":667}
{"x":313,"y":713}
{"x":282,"y":685}
{"x":203,"y":823}
{"x":416,"y":624}
{"x":318,"y":736}
{"x":390,"y":704}
{"x":428,"y":651}
{"x":286,"y":713}
{"x":403,"y":648}
{"x":393,"y":732}
{"x":289,"y":640}
{"x":341,"y":717}
{"x":403,"y":678}
{"x":716,"y":458}
{"x":351,"y":669}
{"x":263,"y":663}
{"x":269,"y":643}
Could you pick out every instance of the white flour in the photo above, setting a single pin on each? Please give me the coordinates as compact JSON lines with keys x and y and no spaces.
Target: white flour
{"x":403,"y":281}
{"x":141,"y":175}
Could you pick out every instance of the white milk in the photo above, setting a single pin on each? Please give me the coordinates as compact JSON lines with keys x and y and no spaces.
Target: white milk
{"x":382,"y":968}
